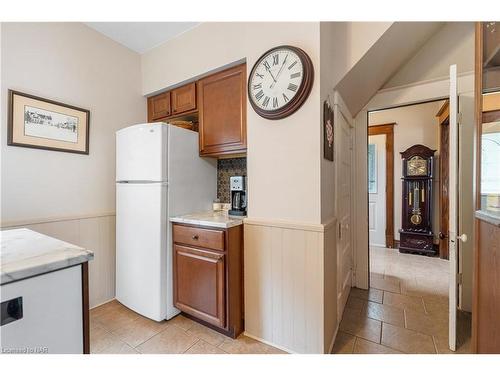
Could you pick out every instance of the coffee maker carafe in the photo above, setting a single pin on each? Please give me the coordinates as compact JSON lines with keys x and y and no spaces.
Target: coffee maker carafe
{"x":237,"y":186}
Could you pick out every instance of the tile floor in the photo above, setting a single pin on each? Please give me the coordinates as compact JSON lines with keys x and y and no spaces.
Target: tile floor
{"x":405,"y":311}
{"x":114,"y":329}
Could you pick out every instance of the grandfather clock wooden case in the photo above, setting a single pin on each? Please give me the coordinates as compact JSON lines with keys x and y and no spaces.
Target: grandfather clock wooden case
{"x":416,"y":233}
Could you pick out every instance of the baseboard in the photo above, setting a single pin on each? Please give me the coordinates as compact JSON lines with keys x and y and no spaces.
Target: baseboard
{"x":269,"y":343}
{"x":102,"y":303}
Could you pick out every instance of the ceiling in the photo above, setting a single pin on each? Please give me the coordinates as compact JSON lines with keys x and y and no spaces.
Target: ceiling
{"x":141,"y":36}
{"x":394,"y":48}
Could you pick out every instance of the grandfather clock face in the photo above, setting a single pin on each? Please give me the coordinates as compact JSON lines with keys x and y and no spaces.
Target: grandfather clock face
{"x":416,"y":166}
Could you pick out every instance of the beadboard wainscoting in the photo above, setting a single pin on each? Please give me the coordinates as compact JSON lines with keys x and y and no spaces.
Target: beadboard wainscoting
{"x":96,"y":233}
{"x":287,"y":303}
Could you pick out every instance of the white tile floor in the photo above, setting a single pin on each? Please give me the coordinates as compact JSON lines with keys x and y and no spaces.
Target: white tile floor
{"x":405,"y":311}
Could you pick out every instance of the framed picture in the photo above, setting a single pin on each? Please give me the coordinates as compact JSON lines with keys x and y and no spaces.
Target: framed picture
{"x":327,"y":131}
{"x":41,"y":123}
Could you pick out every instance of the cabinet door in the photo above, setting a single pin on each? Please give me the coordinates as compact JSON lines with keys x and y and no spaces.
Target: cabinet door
{"x":222,"y":112}
{"x":159,"y":106}
{"x":184,"y":98}
{"x":199,"y":284}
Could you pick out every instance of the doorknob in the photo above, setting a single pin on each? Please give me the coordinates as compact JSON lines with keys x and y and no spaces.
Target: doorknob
{"x":462,"y":237}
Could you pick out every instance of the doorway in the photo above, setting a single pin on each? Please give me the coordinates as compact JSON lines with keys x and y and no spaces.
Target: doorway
{"x":407,"y":302}
{"x":381,"y":185}
{"x":422,"y":277}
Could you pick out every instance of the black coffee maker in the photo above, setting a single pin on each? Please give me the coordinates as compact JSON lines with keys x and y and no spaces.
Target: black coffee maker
{"x":238,"y":188}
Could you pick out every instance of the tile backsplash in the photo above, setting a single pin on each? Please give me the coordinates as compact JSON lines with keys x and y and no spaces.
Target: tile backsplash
{"x":225,"y":169}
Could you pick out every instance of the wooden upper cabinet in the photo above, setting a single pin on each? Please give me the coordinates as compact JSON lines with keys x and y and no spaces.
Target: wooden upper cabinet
{"x":183,"y":98}
{"x":159,"y":106}
{"x":222,"y":112}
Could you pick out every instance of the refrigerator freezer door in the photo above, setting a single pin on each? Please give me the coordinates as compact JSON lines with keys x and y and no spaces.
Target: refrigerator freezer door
{"x":141,"y":153}
{"x":141,"y":248}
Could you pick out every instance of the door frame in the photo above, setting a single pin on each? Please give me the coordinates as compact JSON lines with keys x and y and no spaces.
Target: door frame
{"x":415,"y":93}
{"x":443,"y":116}
{"x":484,"y":112}
{"x":388,"y":131}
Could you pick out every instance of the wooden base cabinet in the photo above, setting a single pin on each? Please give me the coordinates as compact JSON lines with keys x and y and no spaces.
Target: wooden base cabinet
{"x":208,"y":280}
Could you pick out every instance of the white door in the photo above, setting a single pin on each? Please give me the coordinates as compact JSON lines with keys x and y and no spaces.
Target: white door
{"x":343,"y":156}
{"x":455,"y":237}
{"x":376,"y":189}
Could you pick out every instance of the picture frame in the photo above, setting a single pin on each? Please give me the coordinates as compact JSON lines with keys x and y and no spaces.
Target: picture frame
{"x":328,"y":131}
{"x":36,"y":122}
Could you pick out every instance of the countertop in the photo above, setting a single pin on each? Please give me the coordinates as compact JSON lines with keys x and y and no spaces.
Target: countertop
{"x":216,"y":219}
{"x":26,"y":253}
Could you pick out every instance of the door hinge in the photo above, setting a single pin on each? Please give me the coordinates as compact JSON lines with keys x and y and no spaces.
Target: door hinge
{"x":460,"y":279}
{"x":340,"y":230}
{"x":459,"y":118}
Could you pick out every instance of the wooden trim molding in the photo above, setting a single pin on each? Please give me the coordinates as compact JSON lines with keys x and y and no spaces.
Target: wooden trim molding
{"x":443,"y":117}
{"x":491,"y":102}
{"x":85,"y":308}
{"x":17,"y":223}
{"x":490,"y":116}
{"x":291,"y":224}
{"x":478,"y":117}
{"x":443,"y":114}
{"x":388,"y":130}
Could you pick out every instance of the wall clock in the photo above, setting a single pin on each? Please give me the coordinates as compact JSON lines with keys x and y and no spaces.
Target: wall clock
{"x":280,"y":82}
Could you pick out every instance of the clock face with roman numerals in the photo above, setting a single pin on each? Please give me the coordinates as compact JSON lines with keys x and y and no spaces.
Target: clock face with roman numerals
{"x":280,"y":82}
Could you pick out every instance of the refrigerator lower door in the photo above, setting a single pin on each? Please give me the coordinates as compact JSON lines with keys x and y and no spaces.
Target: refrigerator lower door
{"x":142,"y":256}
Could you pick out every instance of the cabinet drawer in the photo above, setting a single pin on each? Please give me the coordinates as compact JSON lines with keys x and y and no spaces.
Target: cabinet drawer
{"x":199,"y":279}
{"x":208,"y":238}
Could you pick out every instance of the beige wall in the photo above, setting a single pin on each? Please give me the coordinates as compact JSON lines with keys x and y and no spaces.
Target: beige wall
{"x":283,"y":163}
{"x":67,"y":195}
{"x":73,"y":64}
{"x":453,"y":44}
{"x":416,"y":124}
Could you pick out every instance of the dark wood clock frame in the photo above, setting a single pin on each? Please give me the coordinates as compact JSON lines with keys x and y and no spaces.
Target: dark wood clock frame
{"x":302,"y":93}
{"x":417,"y":238}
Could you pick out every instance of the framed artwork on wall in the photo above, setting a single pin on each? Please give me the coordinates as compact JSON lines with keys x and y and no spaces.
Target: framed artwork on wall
{"x":36,"y":122}
{"x":327,"y":131}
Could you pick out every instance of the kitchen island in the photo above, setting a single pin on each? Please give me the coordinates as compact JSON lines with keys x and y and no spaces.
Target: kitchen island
{"x":44,"y":294}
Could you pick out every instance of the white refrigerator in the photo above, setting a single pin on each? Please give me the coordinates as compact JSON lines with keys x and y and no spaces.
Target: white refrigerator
{"x":158,"y":175}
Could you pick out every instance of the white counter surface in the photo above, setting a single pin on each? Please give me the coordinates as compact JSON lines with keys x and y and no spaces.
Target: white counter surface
{"x":216,"y":219}
{"x":26,"y":253}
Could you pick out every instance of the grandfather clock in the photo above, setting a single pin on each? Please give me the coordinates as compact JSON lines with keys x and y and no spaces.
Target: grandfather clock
{"x":416,"y":235}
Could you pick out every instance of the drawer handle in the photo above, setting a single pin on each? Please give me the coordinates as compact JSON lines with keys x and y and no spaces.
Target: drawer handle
{"x":195,"y":237}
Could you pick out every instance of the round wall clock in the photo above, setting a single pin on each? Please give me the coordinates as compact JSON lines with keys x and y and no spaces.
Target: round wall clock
{"x":280,"y":82}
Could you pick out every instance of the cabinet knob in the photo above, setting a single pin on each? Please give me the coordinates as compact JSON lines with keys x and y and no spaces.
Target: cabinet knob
{"x":195,"y":237}
{"x":462,"y":237}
